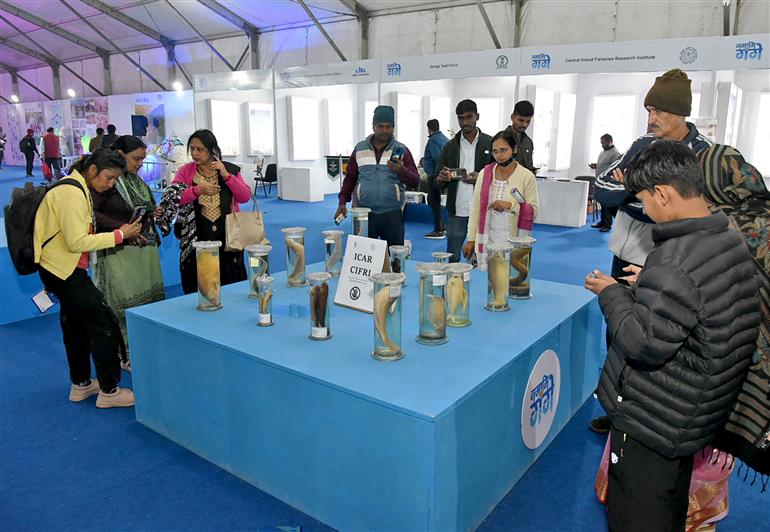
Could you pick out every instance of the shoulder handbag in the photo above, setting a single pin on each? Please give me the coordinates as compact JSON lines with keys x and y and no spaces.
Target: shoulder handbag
{"x":244,"y":228}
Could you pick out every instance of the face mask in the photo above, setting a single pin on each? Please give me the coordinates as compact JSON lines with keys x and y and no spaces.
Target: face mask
{"x":506,"y":163}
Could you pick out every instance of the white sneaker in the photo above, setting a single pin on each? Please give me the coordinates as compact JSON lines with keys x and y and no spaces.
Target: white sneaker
{"x":81,"y":393}
{"x":120,"y":397}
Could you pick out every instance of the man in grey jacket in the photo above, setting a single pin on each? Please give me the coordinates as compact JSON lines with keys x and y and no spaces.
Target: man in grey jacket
{"x":668,"y":102}
{"x":682,"y":341}
{"x":608,"y":155}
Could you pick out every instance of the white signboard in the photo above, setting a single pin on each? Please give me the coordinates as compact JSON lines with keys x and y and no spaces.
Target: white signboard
{"x":239,"y":80}
{"x":363,"y":257}
{"x":541,"y":399}
{"x":365,"y":71}
{"x":697,"y":53}
{"x":457,"y":65}
{"x":741,"y":52}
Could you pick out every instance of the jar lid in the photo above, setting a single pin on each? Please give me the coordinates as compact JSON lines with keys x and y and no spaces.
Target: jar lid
{"x":258,"y":249}
{"x":520,"y":241}
{"x":432,"y":268}
{"x":358,"y":211}
{"x":460,"y":267}
{"x":293,"y":230}
{"x":498,"y":247}
{"x":397,"y":249}
{"x":333,"y":232}
{"x":319,"y":277}
{"x":440,"y":255}
{"x":262,"y":279}
{"x":388,"y":278}
{"x":207,"y":244}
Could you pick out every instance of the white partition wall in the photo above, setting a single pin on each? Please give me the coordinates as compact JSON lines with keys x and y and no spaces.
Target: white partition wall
{"x":238,"y":108}
{"x":320,"y":110}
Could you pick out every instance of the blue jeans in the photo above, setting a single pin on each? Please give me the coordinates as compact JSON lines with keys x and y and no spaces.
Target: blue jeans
{"x":456,"y":229}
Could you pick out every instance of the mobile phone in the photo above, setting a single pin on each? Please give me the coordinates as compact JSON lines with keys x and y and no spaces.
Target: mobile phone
{"x":397,"y":153}
{"x":338,"y":219}
{"x":139,"y":213}
{"x":456,"y":174}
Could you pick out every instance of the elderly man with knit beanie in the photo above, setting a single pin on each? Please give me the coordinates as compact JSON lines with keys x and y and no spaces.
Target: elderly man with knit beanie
{"x":379,"y":170}
{"x":668,"y":103}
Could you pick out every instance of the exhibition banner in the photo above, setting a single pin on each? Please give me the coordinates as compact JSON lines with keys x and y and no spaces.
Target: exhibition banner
{"x":241,"y":80}
{"x":456,"y":65}
{"x":351,"y":72}
{"x":363,"y":258}
{"x":696,"y":53}
{"x":741,"y":52}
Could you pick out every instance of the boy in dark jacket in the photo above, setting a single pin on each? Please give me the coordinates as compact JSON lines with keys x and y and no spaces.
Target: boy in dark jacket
{"x":682,"y":340}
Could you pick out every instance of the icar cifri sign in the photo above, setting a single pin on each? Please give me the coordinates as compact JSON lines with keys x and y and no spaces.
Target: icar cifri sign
{"x":363,"y":258}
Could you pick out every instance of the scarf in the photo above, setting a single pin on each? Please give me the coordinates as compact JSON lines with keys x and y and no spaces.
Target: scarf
{"x":184,"y":226}
{"x":481,"y":229}
{"x":135,"y":192}
{"x":736,"y":188}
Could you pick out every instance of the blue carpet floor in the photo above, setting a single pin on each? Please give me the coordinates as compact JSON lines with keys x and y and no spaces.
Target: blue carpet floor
{"x":70,"y":466}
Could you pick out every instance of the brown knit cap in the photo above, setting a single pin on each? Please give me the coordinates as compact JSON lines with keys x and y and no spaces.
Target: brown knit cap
{"x":671,"y":93}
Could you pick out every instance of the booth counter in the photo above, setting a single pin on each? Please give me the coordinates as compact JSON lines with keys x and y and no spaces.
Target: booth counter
{"x":431,"y":442}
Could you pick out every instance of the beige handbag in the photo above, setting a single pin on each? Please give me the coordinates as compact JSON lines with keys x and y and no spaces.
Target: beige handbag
{"x":244,"y":228}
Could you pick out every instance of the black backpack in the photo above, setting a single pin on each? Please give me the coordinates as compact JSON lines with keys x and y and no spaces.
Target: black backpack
{"x":20,"y":222}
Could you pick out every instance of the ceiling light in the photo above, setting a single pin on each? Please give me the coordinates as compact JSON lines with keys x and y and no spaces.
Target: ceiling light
{"x":71,"y":93}
{"x":14,"y":98}
{"x":177,"y":85}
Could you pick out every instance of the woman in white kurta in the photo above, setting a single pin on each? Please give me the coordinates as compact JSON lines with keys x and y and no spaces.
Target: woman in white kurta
{"x":494,"y":210}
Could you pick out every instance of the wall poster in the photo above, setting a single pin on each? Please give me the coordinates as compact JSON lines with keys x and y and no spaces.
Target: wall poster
{"x":87,"y":115}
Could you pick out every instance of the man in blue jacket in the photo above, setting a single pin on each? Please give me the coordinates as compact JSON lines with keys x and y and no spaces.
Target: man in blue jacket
{"x":668,"y":103}
{"x":436,"y":141}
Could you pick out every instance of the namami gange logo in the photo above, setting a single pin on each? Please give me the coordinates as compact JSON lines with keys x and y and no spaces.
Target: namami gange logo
{"x":541,"y":399}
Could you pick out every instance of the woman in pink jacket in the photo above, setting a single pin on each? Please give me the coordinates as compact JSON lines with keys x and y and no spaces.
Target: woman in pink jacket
{"x":214,"y":188}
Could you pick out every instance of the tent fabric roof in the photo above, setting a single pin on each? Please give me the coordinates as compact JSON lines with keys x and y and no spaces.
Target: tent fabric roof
{"x":157,"y":15}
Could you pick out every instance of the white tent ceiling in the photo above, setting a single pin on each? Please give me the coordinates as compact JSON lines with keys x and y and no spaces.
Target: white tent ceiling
{"x":159,"y":17}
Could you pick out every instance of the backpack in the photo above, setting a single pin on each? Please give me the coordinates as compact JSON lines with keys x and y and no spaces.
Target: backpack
{"x":20,"y":222}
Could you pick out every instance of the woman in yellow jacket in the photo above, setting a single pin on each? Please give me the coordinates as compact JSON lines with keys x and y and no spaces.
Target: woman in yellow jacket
{"x":63,"y":239}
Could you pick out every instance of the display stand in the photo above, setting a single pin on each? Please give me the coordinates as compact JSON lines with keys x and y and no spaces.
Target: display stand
{"x":316,"y":110}
{"x":430,"y":442}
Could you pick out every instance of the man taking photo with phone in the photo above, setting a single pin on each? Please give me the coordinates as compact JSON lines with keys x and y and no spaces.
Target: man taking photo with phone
{"x":379,"y":170}
{"x":469,"y":150}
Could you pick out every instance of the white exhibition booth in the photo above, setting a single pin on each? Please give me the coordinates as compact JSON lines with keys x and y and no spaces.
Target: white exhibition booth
{"x":296,"y":116}
{"x":320,"y":110}
{"x":238,"y":108}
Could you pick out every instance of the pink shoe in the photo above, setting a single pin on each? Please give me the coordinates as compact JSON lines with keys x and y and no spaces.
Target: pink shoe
{"x":81,"y":393}
{"x":120,"y":397}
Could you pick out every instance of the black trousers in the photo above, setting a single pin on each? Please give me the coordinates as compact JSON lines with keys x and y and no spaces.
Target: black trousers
{"x":607,"y":214}
{"x":2,"y":156}
{"x":55,"y":164}
{"x":434,"y":201}
{"x":646,"y":491}
{"x":89,"y":328}
{"x":30,"y":157}
{"x":387,"y":226}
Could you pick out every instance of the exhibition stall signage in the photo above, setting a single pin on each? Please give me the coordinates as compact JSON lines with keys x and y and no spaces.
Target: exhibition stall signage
{"x":350,"y":72}
{"x":239,"y":80}
{"x":697,"y":53}
{"x":363,"y":258}
{"x":541,"y":399}
{"x":741,"y":52}
{"x":457,"y":65}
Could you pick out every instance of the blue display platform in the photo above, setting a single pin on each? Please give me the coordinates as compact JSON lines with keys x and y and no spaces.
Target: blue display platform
{"x":430,"y":442}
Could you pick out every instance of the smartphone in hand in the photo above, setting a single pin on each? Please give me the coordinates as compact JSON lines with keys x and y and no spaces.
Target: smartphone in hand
{"x":140,"y":212}
{"x":397,"y":154}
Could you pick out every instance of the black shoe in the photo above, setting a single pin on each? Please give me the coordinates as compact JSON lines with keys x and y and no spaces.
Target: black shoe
{"x":436,"y":235}
{"x":600,"y":425}
{"x":597,"y":225}
{"x":605,"y":229}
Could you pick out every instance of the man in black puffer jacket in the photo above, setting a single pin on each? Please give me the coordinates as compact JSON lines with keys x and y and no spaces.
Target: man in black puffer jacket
{"x":682,"y":341}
